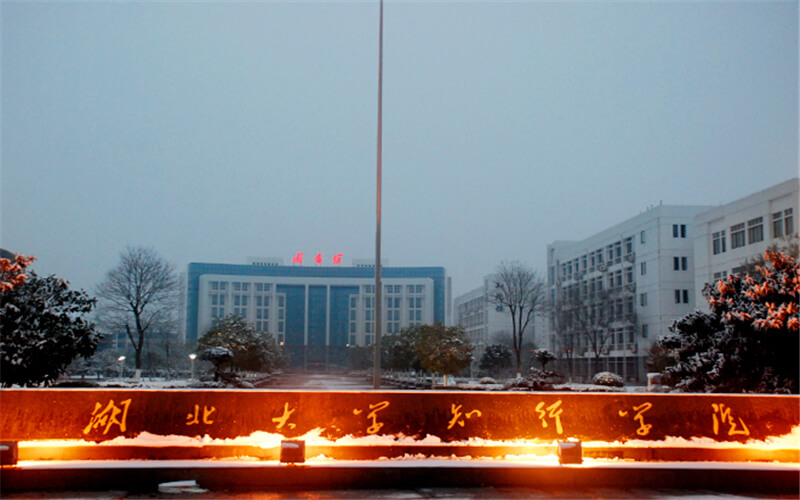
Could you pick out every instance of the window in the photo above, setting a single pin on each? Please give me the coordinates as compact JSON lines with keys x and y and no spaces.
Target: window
{"x":683,"y":230}
{"x":645,"y":331}
{"x":642,"y":299}
{"x":720,"y":275}
{"x":782,"y":223}
{"x":681,"y":296}
{"x":680,"y":263}
{"x":777,"y":225}
{"x":628,"y":246}
{"x":674,"y":230}
{"x":718,"y":242}
{"x":755,"y":230}
{"x":685,"y":294}
{"x":629,"y":275}
{"x":679,"y":230}
{"x":642,"y":237}
{"x":643,"y":268}
{"x":737,"y":235}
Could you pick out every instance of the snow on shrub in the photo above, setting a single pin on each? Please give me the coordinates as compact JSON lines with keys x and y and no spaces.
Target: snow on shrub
{"x":608,"y":379}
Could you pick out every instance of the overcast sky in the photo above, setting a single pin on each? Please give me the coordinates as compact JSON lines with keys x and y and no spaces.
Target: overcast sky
{"x":214,"y":131}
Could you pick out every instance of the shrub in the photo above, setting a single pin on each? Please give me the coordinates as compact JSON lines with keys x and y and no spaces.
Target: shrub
{"x":608,"y":379}
{"x":537,"y":380}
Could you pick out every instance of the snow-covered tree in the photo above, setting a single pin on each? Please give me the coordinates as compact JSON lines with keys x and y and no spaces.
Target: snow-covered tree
{"x":749,"y":340}
{"x":42,"y":329}
{"x":543,"y":356}
{"x":218,"y":356}
{"x":252,"y":350}
{"x":443,"y":349}
{"x":399,"y":350}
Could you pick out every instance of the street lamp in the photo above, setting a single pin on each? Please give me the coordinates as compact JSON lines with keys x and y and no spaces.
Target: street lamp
{"x":121,"y":360}
{"x":192,"y":357}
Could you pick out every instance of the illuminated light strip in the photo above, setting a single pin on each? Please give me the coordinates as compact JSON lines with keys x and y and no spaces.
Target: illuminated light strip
{"x":71,"y":451}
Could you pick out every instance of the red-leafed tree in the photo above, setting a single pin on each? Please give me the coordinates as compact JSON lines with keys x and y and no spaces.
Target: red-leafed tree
{"x":749,"y":342}
{"x":12,"y":273}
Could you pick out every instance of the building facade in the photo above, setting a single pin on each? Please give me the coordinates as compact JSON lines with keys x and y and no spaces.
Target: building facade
{"x":316,"y":312}
{"x":614,"y":293}
{"x":484,"y":323}
{"x":729,"y":235}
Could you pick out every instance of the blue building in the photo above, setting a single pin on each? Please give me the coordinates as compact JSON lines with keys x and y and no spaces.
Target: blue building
{"x":314,"y":311}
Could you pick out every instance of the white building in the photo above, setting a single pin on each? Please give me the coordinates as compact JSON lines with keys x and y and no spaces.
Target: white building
{"x":629,"y":282}
{"x":482,"y":321}
{"x":728,"y":235}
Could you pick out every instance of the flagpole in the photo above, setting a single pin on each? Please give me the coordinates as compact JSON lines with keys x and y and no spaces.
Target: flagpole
{"x":376,"y":356}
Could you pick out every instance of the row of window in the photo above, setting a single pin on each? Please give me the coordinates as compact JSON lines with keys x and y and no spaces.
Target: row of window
{"x":241,"y":306}
{"x":611,"y":254}
{"x":395,"y":289}
{"x":753,"y":231}
{"x":681,"y":297}
{"x":392,"y":313}
{"x":239,"y":286}
{"x":590,"y":261}
{"x":614,"y":278}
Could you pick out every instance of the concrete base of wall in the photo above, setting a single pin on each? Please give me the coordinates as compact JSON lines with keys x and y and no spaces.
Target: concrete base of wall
{"x":138,"y":476}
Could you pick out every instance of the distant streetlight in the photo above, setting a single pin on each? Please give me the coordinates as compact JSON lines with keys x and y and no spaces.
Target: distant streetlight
{"x":192,"y":357}
{"x":121,"y":360}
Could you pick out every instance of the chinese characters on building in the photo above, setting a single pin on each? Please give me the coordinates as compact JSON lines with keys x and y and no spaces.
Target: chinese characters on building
{"x":319,"y":258}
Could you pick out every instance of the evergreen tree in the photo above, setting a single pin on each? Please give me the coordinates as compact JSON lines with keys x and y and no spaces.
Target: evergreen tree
{"x":42,"y":329}
{"x":495,"y":357}
{"x":749,"y":340}
{"x":252,"y":350}
{"x":444,"y":350}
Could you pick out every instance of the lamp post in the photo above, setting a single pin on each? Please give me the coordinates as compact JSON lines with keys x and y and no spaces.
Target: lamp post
{"x":192,"y":357}
{"x":121,"y":360}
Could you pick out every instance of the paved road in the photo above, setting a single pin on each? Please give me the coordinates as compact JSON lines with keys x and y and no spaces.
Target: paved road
{"x":322,"y":381}
{"x":408,"y":494}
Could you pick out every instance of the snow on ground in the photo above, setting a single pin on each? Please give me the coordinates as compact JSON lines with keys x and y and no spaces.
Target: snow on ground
{"x":314,"y":438}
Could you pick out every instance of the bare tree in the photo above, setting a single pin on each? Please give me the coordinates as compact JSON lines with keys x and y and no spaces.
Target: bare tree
{"x":522,"y":292}
{"x":139,"y":296}
{"x":583,"y":321}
